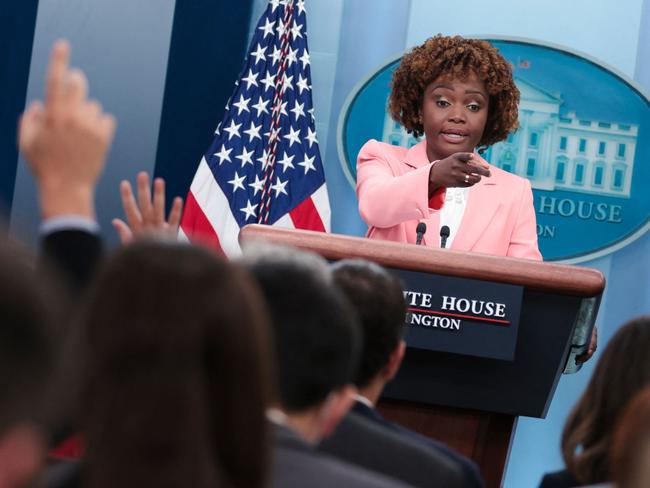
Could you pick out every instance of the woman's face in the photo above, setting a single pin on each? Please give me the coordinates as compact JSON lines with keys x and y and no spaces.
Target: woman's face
{"x":453,"y":114}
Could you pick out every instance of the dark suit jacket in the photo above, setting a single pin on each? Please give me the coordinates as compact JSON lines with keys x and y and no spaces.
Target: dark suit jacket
{"x":296,"y":464}
{"x":472,"y":476}
{"x":362,"y":442}
{"x":75,"y":253}
{"x":559,"y":479}
{"x":63,"y":474}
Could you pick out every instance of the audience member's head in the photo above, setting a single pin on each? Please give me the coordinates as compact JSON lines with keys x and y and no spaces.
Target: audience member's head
{"x":630,"y":449}
{"x":176,"y":372}
{"x":28,"y":360}
{"x":621,"y":372}
{"x":316,"y":335}
{"x":378,"y":299}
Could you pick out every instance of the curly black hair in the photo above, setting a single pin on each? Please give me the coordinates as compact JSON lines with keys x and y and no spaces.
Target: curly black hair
{"x":460,"y":58}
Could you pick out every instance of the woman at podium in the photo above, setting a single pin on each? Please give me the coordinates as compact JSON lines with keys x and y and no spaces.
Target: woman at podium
{"x":460,"y":94}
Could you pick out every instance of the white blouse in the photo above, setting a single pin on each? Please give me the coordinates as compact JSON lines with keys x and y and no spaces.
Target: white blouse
{"x":452,"y":211}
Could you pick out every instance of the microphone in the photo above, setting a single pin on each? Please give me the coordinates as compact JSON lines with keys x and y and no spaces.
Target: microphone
{"x":420,"y":229}
{"x":444,"y":234}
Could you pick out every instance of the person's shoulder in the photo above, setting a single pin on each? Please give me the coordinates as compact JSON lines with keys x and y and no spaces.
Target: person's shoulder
{"x":342,"y":473}
{"x":471,"y":473}
{"x":558,"y":479}
{"x":377,"y":148}
{"x":366,"y":443}
{"x":298,"y":467}
{"x":364,"y":410}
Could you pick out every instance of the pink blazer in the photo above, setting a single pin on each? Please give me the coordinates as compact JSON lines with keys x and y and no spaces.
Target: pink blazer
{"x":393,"y":186}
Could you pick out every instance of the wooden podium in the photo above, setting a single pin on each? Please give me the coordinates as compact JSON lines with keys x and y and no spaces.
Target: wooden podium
{"x":467,"y":401}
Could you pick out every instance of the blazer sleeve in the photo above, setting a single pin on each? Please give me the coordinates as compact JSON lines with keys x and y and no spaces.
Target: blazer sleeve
{"x":523,"y":241}
{"x":385,"y":199}
{"x":76,"y":253}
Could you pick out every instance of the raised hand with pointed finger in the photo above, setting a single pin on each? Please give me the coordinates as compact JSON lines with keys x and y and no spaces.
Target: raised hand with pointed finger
{"x":458,"y":170}
{"x":65,"y":140}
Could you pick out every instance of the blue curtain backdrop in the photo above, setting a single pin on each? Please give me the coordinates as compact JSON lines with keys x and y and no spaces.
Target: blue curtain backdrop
{"x":165,"y":69}
{"x":208,"y":45}
{"x":17,"y":22}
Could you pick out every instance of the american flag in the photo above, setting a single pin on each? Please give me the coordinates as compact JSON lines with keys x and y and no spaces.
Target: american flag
{"x":264,"y":164}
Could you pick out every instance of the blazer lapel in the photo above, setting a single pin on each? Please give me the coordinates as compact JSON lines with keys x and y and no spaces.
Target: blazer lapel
{"x":482,"y":205}
{"x":416,"y":157}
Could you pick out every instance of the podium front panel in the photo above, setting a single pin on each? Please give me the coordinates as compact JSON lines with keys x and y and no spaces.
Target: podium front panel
{"x":524,"y":386}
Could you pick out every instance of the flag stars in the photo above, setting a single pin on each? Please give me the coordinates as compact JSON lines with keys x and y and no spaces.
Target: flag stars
{"x":223,"y":154}
{"x":311,"y":137}
{"x":272,"y":134}
{"x":267,"y":27}
{"x":237,"y":182}
{"x":302,"y":83}
{"x":279,"y":187}
{"x":277,"y":76}
{"x":232,"y":130}
{"x":264,"y":159}
{"x":260,"y":106}
{"x":268,"y":81}
{"x":282,"y":28}
{"x":282,"y":108}
{"x":259,"y":53}
{"x":249,"y":210}
{"x":305,"y":59}
{"x":293,"y":136}
{"x":298,"y":110}
{"x":250,"y":79}
{"x":276,"y":55}
{"x":286,"y":82}
{"x":246,"y":157}
{"x":300,"y":5}
{"x":286,"y":162}
{"x":242,"y":104}
{"x":295,"y":31}
{"x":292,"y":57}
{"x":253,"y":132}
{"x":308,"y":164}
{"x":257,"y":185}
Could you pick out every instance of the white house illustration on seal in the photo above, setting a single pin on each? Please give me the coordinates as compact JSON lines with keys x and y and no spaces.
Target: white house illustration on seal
{"x":557,"y":150}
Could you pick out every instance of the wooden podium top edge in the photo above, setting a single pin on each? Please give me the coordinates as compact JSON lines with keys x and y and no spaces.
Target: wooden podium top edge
{"x":547,"y":277}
